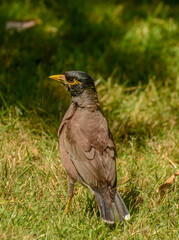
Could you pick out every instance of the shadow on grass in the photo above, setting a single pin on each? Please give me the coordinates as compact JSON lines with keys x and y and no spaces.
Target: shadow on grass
{"x":131,"y":197}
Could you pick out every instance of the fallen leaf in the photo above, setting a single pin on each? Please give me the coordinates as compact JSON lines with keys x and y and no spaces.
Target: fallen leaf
{"x":167,"y":183}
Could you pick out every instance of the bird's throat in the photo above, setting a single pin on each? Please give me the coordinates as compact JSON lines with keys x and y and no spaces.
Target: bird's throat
{"x":87,"y":99}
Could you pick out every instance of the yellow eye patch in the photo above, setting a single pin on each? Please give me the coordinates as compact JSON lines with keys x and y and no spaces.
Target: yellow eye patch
{"x":75,"y":82}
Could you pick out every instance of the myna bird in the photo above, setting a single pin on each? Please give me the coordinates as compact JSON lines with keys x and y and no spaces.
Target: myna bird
{"x":87,"y":148}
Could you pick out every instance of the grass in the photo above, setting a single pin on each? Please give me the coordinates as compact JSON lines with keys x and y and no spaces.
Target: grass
{"x":132,"y":52}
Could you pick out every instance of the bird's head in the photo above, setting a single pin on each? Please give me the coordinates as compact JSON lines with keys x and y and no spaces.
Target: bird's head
{"x":75,"y":81}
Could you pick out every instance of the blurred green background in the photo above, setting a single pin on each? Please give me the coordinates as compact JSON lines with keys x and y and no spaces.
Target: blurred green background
{"x":130,"y":41}
{"x":131,"y":49}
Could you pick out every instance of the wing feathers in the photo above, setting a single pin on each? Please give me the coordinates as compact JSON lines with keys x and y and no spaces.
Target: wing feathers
{"x":110,"y":151}
{"x":90,"y":154}
{"x":88,"y":142}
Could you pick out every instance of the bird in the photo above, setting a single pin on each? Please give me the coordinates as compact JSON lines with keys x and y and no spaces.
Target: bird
{"x":87,"y":148}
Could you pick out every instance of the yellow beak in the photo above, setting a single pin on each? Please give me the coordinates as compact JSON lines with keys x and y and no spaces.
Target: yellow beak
{"x":61,"y":78}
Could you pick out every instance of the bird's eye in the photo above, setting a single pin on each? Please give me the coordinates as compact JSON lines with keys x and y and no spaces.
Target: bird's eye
{"x":71,"y":80}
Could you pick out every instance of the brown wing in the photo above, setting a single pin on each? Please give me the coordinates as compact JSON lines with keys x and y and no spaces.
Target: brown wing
{"x":90,"y":147}
{"x":69,"y":114}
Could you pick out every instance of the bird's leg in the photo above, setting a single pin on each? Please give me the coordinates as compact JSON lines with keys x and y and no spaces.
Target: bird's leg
{"x":70,"y":193}
{"x":96,"y":205}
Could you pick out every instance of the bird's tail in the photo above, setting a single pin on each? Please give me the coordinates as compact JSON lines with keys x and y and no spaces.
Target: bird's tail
{"x":114,"y":211}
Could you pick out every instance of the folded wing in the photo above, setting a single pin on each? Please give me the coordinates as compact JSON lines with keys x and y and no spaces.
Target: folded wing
{"x":90,"y":147}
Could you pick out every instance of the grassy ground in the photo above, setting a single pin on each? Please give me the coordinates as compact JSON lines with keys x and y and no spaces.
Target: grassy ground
{"x":132,"y":51}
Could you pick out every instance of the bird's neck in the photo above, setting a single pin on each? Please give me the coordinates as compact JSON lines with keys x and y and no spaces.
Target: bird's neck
{"x":87,"y":99}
